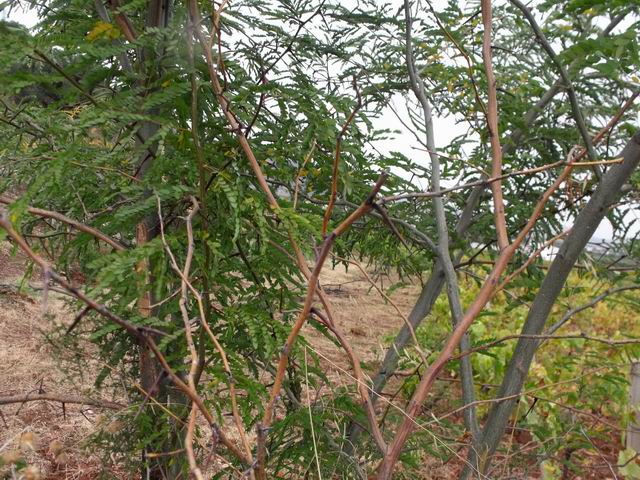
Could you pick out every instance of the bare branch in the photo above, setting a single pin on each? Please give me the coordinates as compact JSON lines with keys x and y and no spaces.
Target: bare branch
{"x":531,"y":259}
{"x":573,"y":311}
{"x":52,"y":397}
{"x":492,"y":124}
{"x":488,"y":181}
{"x":187,"y":285}
{"x":487,"y":290}
{"x":336,"y":160}
{"x":575,"y":107}
{"x":69,"y":221}
{"x":453,"y":291}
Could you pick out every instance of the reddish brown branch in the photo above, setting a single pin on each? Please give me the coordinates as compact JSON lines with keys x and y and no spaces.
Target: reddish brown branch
{"x":138,"y":332}
{"x":336,"y":161}
{"x":123,"y":21}
{"x":69,"y":221}
{"x":325,"y":248}
{"x":485,"y":294}
{"x":494,"y":132}
{"x":531,"y":259}
{"x":188,"y":286}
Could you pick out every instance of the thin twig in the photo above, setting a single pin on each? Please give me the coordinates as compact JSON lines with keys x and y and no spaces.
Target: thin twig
{"x":525,"y":393}
{"x":464,"y":54}
{"x":573,"y":100}
{"x":531,"y":259}
{"x":69,"y":221}
{"x":313,"y":433}
{"x":336,"y":160}
{"x":570,"y":313}
{"x":489,"y":181}
{"x":186,"y":284}
{"x":545,"y":337}
{"x":52,"y":397}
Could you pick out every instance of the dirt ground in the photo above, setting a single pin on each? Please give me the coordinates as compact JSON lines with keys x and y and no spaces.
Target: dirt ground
{"x":362,"y":314}
{"x":48,"y":436}
{"x":30,"y":365}
{"x":51,"y":438}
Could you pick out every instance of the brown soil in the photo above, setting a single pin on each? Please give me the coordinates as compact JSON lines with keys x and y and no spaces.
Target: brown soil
{"x":29,"y":364}
{"x":362,"y":315}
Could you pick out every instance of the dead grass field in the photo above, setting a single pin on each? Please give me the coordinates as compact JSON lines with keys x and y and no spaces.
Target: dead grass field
{"x":40,"y":431}
{"x":48,"y":436}
{"x":31,"y":365}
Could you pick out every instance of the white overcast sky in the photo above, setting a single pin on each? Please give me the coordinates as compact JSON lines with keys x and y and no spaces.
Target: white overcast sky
{"x":445,"y":130}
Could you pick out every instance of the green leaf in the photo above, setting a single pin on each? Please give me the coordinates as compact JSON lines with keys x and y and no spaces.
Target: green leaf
{"x":629,"y":466}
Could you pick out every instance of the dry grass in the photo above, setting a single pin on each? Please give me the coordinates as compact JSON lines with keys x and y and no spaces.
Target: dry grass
{"x":50,"y":439}
{"x":29,"y":363}
{"x":362,"y":314}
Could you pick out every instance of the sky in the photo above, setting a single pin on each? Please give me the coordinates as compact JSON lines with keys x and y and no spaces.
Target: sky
{"x":445,"y":129}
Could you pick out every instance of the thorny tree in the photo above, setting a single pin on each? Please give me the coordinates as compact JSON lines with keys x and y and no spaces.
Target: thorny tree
{"x":199,"y":163}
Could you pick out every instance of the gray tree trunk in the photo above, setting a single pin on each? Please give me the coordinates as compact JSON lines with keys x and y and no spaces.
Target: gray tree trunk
{"x":158,"y":14}
{"x":633,"y":431}
{"x":435,"y":282}
{"x":606,"y":194}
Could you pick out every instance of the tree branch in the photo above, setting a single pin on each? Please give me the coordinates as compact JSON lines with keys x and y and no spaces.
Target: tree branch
{"x":336,"y":161}
{"x":585,"y":225}
{"x":52,"y":397}
{"x":573,"y":99}
{"x":69,"y":221}
{"x":453,"y":291}
{"x":570,"y":313}
{"x":492,"y":125}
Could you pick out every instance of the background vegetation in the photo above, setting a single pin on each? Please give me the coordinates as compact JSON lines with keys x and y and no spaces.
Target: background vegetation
{"x":185,"y":170}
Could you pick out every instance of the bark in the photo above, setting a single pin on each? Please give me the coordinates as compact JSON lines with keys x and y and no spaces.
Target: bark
{"x":433,"y":287}
{"x":607,"y":193}
{"x":444,"y":256}
{"x":435,"y":282}
{"x":147,"y":229}
{"x":158,"y":12}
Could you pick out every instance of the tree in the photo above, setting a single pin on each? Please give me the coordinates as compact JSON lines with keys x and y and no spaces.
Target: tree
{"x":201,"y":164}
